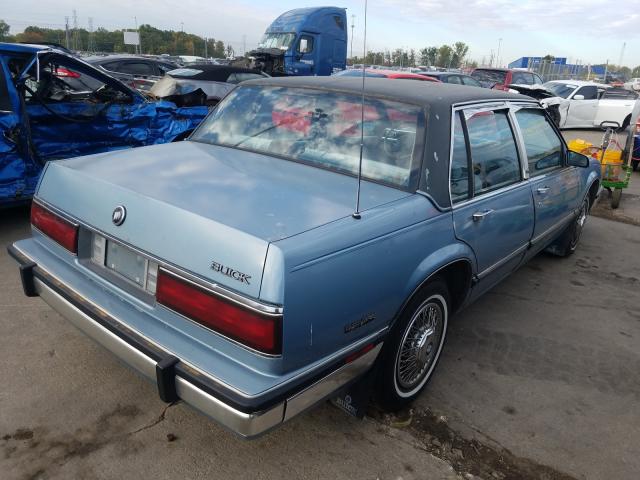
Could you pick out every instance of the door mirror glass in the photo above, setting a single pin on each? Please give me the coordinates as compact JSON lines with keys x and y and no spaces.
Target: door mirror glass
{"x":575,"y":159}
{"x":578,"y":97}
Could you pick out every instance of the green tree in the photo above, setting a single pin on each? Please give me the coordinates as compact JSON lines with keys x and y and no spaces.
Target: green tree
{"x":428,"y":56}
{"x":4,"y":29}
{"x":445,"y":55}
{"x":460,"y":50}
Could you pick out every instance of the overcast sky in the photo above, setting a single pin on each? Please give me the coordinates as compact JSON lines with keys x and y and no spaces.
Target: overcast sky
{"x":590,"y":31}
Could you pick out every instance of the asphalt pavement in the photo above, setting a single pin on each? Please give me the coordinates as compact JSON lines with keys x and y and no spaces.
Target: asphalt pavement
{"x":538,"y":380}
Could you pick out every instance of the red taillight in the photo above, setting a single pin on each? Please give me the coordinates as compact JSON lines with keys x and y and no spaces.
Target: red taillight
{"x":259,"y":331}
{"x":55,"y":227}
{"x":65,"y":72}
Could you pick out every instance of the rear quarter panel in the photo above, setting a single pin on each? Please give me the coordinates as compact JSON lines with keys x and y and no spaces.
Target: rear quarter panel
{"x":354,"y":269}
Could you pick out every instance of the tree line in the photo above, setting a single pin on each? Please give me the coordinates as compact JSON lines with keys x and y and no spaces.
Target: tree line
{"x":153,"y":41}
{"x":447,"y":56}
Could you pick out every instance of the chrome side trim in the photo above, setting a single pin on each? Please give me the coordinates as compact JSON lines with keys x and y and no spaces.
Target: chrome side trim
{"x":503,"y":260}
{"x":490,"y":194}
{"x":553,"y":227}
{"x":214,"y":287}
{"x":325,"y":387}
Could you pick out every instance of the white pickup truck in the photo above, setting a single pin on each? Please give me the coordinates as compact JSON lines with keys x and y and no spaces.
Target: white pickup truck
{"x":587,"y":104}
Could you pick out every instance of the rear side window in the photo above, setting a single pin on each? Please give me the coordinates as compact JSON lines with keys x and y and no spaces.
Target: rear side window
{"x":459,"y":179}
{"x":543,"y":147}
{"x":494,"y":156}
{"x":470,"y":81}
{"x":454,"y":79}
{"x":522,"y":78}
{"x":137,"y":68}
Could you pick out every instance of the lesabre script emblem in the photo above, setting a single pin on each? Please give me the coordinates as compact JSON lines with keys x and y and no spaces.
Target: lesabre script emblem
{"x":118,"y":215}
{"x":230,"y":272}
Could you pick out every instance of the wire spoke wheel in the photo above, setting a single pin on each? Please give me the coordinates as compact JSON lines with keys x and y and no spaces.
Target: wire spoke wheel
{"x":420,"y":345}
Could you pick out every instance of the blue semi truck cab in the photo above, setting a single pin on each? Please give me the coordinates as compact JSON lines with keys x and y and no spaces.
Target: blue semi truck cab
{"x":304,"y":41}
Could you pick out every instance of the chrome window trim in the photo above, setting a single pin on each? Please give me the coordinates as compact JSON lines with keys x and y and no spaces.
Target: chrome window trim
{"x":214,"y":287}
{"x":489,"y":105}
{"x":502,"y":261}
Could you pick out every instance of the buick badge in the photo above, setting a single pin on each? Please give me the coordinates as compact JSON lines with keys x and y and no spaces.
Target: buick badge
{"x":118,"y":215}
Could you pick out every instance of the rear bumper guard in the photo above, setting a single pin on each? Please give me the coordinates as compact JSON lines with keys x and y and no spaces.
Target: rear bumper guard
{"x":177,"y":380}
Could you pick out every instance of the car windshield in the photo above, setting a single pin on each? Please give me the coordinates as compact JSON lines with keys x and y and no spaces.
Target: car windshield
{"x":319,"y":128}
{"x":277,"y":40}
{"x":489,"y":78}
{"x":560,"y":89}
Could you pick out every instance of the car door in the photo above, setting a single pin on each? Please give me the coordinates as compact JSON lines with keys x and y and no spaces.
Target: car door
{"x":583,"y":107}
{"x":554,"y":185}
{"x":492,"y":203}
{"x":19,"y":170}
{"x":305,"y":54}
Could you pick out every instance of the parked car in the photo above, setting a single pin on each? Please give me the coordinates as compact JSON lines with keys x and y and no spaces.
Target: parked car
{"x":587,"y":104}
{"x":241,"y":280}
{"x":214,"y":81}
{"x":380,"y":73}
{"x":136,"y":71}
{"x":501,"y":78}
{"x":47,"y":114}
{"x":455,"y":78}
{"x":633,"y":84}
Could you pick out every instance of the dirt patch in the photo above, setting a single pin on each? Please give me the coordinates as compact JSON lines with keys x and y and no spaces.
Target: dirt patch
{"x":467,"y":456}
{"x":628,"y":212}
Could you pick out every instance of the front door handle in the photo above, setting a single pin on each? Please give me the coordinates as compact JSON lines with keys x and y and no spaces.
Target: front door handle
{"x":542,"y":190}
{"x":480,"y":215}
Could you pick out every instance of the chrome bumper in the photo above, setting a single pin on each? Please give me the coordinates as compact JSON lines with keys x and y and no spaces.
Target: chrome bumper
{"x":185,"y":383}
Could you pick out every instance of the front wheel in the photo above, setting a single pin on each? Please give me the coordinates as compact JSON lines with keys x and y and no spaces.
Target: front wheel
{"x":412,"y":351}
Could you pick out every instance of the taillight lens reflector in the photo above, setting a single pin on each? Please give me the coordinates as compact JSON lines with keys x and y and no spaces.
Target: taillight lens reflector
{"x":55,"y":227}
{"x":258,"y":331}
{"x":65,"y":72}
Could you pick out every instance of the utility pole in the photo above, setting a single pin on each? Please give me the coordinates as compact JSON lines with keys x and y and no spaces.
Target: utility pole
{"x":353,"y":24}
{"x":90,"y":46}
{"x":498,"y":64}
{"x":244,"y":45}
{"x":205,"y":48}
{"x":624,"y":45}
{"x":66,"y":32}
{"x":75,"y":29}
{"x":137,"y":48}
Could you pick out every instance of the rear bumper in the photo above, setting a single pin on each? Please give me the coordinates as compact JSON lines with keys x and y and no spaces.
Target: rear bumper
{"x":178,"y":380}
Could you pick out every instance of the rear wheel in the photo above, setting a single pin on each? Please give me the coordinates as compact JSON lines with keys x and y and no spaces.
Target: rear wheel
{"x":413,"y":348}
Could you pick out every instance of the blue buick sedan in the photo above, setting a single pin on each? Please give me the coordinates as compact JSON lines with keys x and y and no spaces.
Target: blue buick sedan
{"x":233,"y":270}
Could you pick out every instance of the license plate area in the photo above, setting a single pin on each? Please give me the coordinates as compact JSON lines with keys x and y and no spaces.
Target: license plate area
{"x":118,"y":261}
{"x":126,"y":262}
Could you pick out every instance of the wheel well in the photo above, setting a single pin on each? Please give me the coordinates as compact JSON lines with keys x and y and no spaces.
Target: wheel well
{"x":457,"y":276}
{"x":593,"y":192}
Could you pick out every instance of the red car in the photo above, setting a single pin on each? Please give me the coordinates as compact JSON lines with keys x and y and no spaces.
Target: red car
{"x":501,"y":78}
{"x":379,"y":73}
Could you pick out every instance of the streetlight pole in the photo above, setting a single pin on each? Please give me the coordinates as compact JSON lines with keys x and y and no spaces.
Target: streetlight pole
{"x":353,"y":24}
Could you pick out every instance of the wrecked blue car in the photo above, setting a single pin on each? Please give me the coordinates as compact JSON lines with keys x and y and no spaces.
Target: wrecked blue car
{"x":55,"y":106}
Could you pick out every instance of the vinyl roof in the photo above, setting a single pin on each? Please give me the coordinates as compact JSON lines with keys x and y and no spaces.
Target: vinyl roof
{"x":403,"y":90}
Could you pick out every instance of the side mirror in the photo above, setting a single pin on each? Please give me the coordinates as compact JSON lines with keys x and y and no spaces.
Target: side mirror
{"x":575,"y":159}
{"x":578,"y":97}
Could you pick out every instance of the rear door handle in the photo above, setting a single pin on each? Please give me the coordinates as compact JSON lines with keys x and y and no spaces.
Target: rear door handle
{"x":480,"y":215}
{"x":542,"y":190}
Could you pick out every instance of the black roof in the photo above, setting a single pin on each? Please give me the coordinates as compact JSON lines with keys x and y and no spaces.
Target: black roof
{"x":411,"y":91}
{"x":212,"y":72}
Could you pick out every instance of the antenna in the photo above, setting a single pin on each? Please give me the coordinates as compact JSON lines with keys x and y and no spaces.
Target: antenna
{"x":356,"y":214}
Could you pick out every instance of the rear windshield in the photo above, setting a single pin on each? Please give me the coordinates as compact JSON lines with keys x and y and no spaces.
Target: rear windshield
{"x":320,"y":128}
{"x":489,"y":78}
